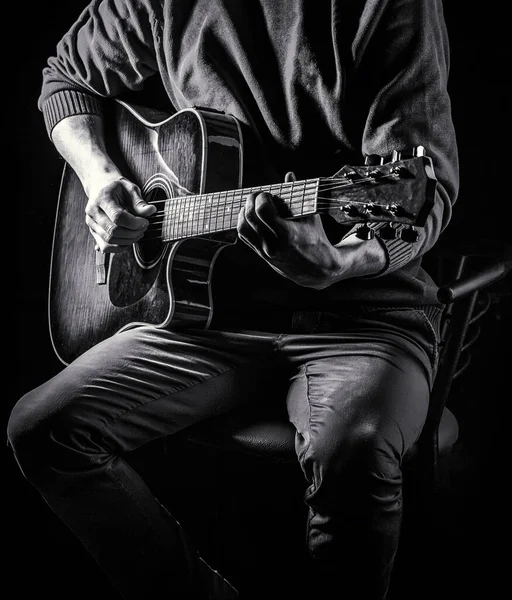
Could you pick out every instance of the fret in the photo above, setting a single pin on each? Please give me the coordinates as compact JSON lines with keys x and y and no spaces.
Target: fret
{"x":292,"y":190}
{"x":201,"y":210}
{"x":196,"y":216}
{"x":210,"y":203}
{"x":193,"y":217}
{"x":190,"y":216}
{"x":303,"y":198}
{"x":167,"y":223}
{"x":230,"y":211}
{"x":207,"y":214}
{"x":182,"y":212}
{"x":228,"y":206}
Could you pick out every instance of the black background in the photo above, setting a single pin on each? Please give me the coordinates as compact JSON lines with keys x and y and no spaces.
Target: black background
{"x":40,"y":554}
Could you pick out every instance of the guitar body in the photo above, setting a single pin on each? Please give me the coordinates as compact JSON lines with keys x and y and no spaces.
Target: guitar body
{"x":190,"y":166}
{"x":165,"y":284}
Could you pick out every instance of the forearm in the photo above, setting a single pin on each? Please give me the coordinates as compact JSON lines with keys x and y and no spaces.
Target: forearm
{"x":79,"y":139}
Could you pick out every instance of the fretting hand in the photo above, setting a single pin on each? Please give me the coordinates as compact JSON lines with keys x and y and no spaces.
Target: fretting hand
{"x":296,"y":248}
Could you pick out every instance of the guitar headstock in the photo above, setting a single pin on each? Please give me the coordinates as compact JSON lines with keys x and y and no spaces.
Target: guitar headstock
{"x":399,"y":192}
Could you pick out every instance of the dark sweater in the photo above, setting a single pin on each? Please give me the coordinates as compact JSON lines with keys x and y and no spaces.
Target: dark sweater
{"x":348,"y":78}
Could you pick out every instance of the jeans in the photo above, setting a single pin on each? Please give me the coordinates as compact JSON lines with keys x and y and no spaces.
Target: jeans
{"x":358,"y":392}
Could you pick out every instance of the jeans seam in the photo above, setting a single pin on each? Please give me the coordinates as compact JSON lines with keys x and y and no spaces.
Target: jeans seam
{"x":312,"y":487}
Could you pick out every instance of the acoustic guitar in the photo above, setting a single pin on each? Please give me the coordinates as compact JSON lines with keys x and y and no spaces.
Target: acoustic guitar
{"x":191,"y":166}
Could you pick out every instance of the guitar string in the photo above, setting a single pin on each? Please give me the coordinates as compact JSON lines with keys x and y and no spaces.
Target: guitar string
{"x":191,"y":227}
{"x":282,"y":193}
{"x":324,"y":186}
{"x":201,"y":216}
{"x":292,"y":195}
{"x":153,"y":233}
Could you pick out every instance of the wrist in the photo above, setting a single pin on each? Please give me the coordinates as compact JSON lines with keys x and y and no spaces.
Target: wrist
{"x":99,"y":173}
{"x":360,"y":258}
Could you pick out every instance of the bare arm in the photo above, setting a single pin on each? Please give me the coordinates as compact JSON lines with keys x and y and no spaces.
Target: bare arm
{"x":116,"y":213}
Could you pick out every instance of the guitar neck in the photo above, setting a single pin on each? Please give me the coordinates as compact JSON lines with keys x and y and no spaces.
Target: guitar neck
{"x":205,"y":214}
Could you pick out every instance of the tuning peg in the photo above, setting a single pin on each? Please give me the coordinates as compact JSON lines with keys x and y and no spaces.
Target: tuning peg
{"x":388,"y":232}
{"x":351,"y":174}
{"x":365,"y":233}
{"x":409,"y":234}
{"x":401,"y":171}
{"x":394,"y":209}
{"x":350,"y":210}
{"x":371,"y":160}
{"x":407,"y":153}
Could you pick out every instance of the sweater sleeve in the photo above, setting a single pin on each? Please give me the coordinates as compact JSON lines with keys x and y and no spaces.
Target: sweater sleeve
{"x":110,"y":49}
{"x":401,"y":67}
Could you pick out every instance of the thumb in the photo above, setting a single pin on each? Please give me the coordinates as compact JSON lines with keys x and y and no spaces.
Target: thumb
{"x":140,"y":206}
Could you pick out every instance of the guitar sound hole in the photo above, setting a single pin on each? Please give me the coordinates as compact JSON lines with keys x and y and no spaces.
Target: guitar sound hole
{"x":151,"y":248}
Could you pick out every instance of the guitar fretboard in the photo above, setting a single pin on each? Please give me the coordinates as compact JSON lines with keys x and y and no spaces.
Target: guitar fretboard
{"x":203,"y":214}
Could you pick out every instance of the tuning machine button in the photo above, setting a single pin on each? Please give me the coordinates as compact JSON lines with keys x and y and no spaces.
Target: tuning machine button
{"x":364,"y":232}
{"x":371,"y":160}
{"x":409,"y":234}
{"x":388,"y":232}
{"x":407,"y":153}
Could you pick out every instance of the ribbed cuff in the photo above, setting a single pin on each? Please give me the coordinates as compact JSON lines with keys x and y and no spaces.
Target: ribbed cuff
{"x":398,"y":252}
{"x":67,"y":103}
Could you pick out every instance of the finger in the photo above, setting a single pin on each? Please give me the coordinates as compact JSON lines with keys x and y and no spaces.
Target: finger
{"x":114,"y":235}
{"x":289,"y":177}
{"x":111,"y":225}
{"x":247,"y":233}
{"x":261,"y":214}
{"x":102,"y":246}
{"x":266,"y":211}
{"x":118,"y":216}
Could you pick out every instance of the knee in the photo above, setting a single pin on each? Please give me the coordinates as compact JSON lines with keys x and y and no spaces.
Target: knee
{"x":27,"y":430}
{"x":43,"y":433}
{"x":363,"y":451}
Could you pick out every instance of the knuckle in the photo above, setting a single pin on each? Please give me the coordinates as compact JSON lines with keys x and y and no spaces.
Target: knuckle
{"x":249,"y":212}
{"x":109,"y":234}
{"x":115,"y":216}
{"x":91,"y":209}
{"x":260,"y":207}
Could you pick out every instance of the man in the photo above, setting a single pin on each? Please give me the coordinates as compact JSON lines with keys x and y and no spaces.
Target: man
{"x":348,"y":321}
